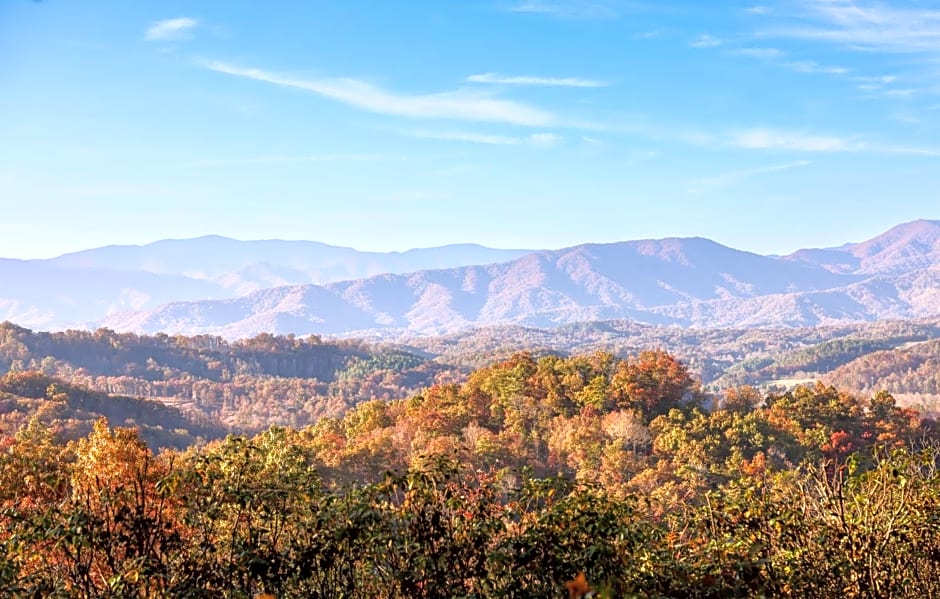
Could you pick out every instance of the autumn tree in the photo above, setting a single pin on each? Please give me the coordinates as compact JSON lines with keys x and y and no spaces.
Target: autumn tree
{"x":126,"y":535}
{"x":652,"y":383}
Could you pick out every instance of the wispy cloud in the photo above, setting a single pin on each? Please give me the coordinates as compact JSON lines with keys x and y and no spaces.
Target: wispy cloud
{"x":901,"y":93}
{"x":728,"y":179}
{"x":648,"y":35}
{"x":461,"y":105}
{"x":171,"y":29}
{"x":909,"y":151}
{"x":705,"y":41}
{"x":571,"y":9}
{"x":880,"y":86}
{"x":545,"y":139}
{"x":758,"y":10}
{"x":813,"y":67}
{"x":882,"y":79}
{"x":476,"y":138}
{"x":867,"y":26}
{"x":761,"y":138}
{"x":904,"y":117}
{"x":800,"y":66}
{"x":873,"y":82}
{"x":537,"y":139}
{"x":498,"y":78}
{"x":764,"y":53}
{"x":301,"y":158}
{"x":535,"y":7}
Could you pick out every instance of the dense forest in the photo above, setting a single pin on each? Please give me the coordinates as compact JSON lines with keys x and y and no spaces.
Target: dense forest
{"x":912,"y":369}
{"x":242,"y":386}
{"x":248,"y":385}
{"x":72,"y":412}
{"x":536,"y":476}
{"x":718,"y":357}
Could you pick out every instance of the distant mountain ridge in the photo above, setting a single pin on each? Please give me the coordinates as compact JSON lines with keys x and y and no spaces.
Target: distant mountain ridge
{"x":683,"y":282}
{"x":640,"y":280}
{"x":213,"y":256}
{"x":902,"y":248}
{"x":686,"y":282}
{"x":81,"y":288}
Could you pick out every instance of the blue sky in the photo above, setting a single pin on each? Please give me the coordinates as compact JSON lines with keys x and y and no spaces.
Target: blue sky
{"x":767,"y":126}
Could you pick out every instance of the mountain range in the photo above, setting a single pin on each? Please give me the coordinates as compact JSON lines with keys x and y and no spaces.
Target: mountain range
{"x":234,"y":288}
{"x":80,"y":289}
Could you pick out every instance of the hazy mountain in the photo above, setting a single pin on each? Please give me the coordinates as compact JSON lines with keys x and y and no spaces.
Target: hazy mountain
{"x":681,"y":282}
{"x":78,"y":289}
{"x":669,"y":281}
{"x":901,"y":249}
{"x":251,"y":265}
{"x":45,"y":295}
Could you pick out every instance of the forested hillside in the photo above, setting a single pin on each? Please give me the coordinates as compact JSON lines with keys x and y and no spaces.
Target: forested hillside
{"x":912,"y":369}
{"x":244,"y":385}
{"x":534,"y":478}
{"x":718,"y":357}
{"x":71,"y":412}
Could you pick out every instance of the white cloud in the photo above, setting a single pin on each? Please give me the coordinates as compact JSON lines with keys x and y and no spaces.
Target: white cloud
{"x":455,"y":105}
{"x":571,"y":9}
{"x":765,"y":53}
{"x":800,"y":66}
{"x":545,"y":139}
{"x":873,"y":83}
{"x":727,"y":179}
{"x":761,"y":138}
{"x":904,"y":117}
{"x":705,"y":41}
{"x":770,"y":139}
{"x":477,"y":138}
{"x":809,"y":66}
{"x":901,"y":93}
{"x":171,"y":29}
{"x":535,"y":7}
{"x":867,"y":26}
{"x":538,"y":139}
{"x":884,"y":79}
{"x":284,"y":159}
{"x":648,"y":35}
{"x":909,"y":151}
{"x":533,"y":80}
{"x":758,"y":10}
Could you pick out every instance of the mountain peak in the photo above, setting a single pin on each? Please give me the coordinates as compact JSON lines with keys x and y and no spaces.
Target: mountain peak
{"x":901,"y":248}
{"x":923,"y":232}
{"x":909,"y":245}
